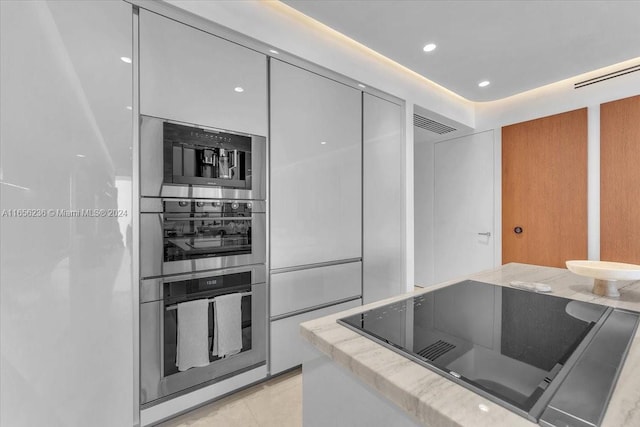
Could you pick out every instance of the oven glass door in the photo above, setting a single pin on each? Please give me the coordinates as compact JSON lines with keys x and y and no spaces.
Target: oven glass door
{"x":206,"y":229}
{"x":203,"y":157}
{"x":174,"y":295}
{"x":159,"y":319}
{"x":185,"y":160}
{"x":186,"y":235}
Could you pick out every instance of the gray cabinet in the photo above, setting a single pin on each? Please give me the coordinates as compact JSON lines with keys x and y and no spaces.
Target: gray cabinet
{"x":287,"y":346}
{"x":293,"y":291}
{"x":316,"y":168}
{"x":382,"y":256}
{"x":316,"y":203}
{"x":301,"y":295}
{"x":191,"y":76}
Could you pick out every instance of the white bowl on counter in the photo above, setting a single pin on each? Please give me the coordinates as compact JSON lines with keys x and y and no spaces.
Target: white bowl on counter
{"x":605,"y":274}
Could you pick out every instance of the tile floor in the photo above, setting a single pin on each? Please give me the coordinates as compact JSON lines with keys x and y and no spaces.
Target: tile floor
{"x":274,"y":403}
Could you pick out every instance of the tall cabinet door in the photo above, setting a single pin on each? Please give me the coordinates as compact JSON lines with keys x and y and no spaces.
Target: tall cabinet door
{"x":620,"y":180}
{"x":192,"y":76}
{"x":544,"y":190}
{"x":382,"y":259}
{"x":65,"y":139}
{"x":316,"y":168}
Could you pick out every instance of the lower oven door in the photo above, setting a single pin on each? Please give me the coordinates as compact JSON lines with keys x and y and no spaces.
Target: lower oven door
{"x":180,"y":236}
{"x":160,"y":377}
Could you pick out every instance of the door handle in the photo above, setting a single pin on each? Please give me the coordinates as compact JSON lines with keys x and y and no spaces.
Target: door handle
{"x":488,"y":234}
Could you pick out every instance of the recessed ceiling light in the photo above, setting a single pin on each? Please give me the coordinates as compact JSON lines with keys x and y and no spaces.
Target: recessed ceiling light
{"x":484,"y":83}
{"x":429,"y":47}
{"x":125,"y":59}
{"x":129,"y":107}
{"x":238,"y":89}
{"x":82,"y":156}
{"x":323,"y":142}
{"x":274,"y":51}
{"x":361,"y":85}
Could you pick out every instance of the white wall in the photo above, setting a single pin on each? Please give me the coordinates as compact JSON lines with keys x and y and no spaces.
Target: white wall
{"x":67,"y":289}
{"x":424,"y":186}
{"x":553,"y":99}
{"x":409,"y":212}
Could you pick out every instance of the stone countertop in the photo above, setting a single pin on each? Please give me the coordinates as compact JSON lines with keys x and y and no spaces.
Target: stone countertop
{"x":436,"y":401}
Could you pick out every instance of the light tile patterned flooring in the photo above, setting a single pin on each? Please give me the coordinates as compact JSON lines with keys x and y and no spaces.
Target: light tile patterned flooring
{"x":274,"y":403}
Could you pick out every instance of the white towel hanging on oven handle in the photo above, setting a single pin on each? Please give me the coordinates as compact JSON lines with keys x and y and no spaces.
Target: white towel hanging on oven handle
{"x":227,"y":325}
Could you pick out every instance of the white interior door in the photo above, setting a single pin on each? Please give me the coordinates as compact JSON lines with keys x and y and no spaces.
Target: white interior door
{"x":464,"y":237}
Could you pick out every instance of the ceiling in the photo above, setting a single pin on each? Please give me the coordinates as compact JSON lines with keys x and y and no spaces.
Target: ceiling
{"x":516,"y":45}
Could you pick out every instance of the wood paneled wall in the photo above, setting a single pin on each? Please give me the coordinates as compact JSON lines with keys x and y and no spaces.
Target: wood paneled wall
{"x":620,"y":180}
{"x":544,"y":190}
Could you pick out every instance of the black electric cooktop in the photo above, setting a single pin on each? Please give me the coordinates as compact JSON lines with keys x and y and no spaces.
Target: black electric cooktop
{"x":532,"y":353}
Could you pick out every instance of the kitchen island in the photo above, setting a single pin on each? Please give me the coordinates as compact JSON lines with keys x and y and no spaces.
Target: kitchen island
{"x":351,"y":380}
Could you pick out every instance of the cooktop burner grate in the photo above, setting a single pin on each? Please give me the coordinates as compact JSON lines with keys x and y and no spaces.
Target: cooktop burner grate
{"x":435,"y":350}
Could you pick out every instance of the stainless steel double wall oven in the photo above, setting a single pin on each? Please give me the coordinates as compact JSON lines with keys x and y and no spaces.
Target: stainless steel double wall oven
{"x":203,"y":234}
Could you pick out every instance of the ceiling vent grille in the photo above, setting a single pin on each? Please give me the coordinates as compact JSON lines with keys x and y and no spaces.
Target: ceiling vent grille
{"x":607,"y":76}
{"x":431,"y":125}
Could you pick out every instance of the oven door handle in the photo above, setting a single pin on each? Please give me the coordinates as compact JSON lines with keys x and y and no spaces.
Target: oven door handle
{"x":216,"y":218}
{"x":257,"y":206}
{"x":211,"y":300}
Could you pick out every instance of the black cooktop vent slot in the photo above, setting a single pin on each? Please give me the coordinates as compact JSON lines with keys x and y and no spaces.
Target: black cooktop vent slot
{"x":436,"y":350}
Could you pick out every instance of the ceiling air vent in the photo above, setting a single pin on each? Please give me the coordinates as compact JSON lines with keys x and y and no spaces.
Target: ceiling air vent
{"x":607,"y":76}
{"x":431,"y":125}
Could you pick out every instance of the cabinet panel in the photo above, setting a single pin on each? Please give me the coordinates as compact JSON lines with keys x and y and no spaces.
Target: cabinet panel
{"x":620,"y":180}
{"x":301,"y":289}
{"x":286,"y":342}
{"x":544,"y":190}
{"x":65,"y":144}
{"x":191,"y":76}
{"x":382,"y":201}
{"x":316,"y":168}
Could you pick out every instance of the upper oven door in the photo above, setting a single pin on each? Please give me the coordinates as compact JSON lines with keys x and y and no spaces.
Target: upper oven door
{"x":181,"y":236}
{"x":190,"y":161}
